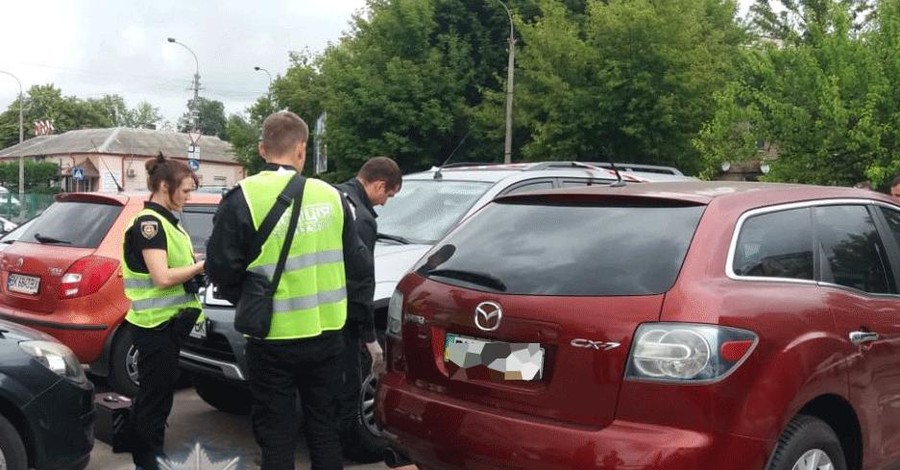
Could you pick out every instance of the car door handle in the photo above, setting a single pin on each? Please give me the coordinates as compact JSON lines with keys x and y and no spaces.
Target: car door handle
{"x":859,"y":337}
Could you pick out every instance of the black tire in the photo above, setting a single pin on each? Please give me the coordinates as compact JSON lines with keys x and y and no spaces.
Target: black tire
{"x":223,"y":396}
{"x":361,"y":441}
{"x":123,"y":376}
{"x":807,"y":437}
{"x":12,"y":449}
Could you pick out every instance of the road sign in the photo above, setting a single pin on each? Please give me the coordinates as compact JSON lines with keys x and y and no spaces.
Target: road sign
{"x":193,"y":152}
{"x":194,"y":164}
{"x":195,"y":136}
{"x":78,"y":173}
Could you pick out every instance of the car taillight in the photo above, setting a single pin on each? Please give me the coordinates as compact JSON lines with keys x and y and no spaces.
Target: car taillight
{"x":683,"y":352}
{"x":393,"y":340}
{"x":86,"y":276}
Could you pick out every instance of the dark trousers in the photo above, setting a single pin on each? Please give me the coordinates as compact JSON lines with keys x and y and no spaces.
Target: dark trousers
{"x":280,"y":369}
{"x":348,"y":400}
{"x":157,"y":371}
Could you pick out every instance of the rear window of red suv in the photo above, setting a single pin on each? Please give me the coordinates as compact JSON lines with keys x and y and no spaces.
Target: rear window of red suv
{"x":75,"y":224}
{"x":566,"y":249}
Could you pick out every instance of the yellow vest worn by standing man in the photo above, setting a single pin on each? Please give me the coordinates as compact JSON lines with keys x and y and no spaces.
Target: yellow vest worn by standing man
{"x":311,"y":296}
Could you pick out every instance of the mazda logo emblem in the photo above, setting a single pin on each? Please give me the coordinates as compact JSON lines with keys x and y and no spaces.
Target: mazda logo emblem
{"x":488,"y":316}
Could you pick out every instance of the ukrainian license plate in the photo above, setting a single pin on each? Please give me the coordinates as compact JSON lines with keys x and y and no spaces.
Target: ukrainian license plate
{"x":199,"y":330}
{"x":512,"y":361}
{"x":23,"y":284}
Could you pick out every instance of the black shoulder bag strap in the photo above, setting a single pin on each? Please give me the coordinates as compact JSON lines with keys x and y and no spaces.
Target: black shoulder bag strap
{"x":292,"y":227}
{"x":293,"y":188}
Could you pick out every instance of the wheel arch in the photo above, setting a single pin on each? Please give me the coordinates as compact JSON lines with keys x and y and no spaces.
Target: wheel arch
{"x":838,"y":414}
{"x":13,"y":412}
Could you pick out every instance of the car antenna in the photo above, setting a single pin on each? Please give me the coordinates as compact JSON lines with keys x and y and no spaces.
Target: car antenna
{"x":619,"y":182}
{"x":437,"y":174}
{"x":112,"y":175}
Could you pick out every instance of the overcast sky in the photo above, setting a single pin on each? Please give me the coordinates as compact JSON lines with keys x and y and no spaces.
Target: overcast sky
{"x":88,"y":48}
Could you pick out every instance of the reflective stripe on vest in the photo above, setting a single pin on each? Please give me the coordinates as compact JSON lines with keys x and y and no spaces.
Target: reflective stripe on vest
{"x":311,"y":297}
{"x":151,"y":305}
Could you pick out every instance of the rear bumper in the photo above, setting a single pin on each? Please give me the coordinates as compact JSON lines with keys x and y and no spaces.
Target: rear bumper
{"x":438,"y":432}
{"x":221,"y":353}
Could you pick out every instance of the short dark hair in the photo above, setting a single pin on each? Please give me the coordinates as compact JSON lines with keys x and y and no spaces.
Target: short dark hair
{"x":895,"y":182}
{"x":161,"y":169}
{"x":283,"y":130}
{"x":381,"y":169}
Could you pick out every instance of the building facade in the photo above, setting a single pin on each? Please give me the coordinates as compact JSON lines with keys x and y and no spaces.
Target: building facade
{"x":112,"y":160}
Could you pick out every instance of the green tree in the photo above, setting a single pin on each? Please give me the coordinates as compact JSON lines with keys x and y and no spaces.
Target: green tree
{"x":817,"y":89}
{"x":211,"y":118}
{"x":628,"y":80}
{"x":46,"y":102}
{"x":38,"y":176}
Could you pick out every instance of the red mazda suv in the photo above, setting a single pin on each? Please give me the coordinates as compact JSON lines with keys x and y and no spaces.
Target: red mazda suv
{"x":666,"y":326}
{"x":62,"y":276}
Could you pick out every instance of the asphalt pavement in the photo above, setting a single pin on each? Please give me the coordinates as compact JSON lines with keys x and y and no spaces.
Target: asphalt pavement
{"x":221,"y":437}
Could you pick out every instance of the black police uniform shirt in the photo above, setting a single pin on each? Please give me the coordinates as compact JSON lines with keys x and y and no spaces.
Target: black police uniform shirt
{"x":146,"y":233}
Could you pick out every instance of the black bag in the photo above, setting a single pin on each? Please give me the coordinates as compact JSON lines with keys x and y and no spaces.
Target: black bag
{"x":253,"y":312}
{"x":112,"y":422}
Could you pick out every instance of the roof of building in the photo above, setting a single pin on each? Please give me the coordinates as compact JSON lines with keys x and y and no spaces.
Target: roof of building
{"x":122,"y":141}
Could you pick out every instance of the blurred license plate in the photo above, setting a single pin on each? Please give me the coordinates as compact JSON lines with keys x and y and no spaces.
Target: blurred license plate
{"x":199,"y":329}
{"x":513,"y":361}
{"x":23,"y":284}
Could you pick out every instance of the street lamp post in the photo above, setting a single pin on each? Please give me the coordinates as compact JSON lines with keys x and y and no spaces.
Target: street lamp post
{"x":21,"y":139}
{"x":260,"y":69}
{"x":510,"y":70}
{"x":195,"y":110}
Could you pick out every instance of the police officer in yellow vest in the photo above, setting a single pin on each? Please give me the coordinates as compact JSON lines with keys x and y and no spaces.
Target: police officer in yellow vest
{"x":301,"y":351}
{"x":159,"y":268}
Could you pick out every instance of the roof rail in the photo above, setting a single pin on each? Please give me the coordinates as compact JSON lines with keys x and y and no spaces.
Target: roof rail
{"x":459,"y":164}
{"x":667,"y":170}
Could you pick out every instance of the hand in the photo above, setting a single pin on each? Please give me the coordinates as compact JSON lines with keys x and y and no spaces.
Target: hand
{"x":377,"y":355}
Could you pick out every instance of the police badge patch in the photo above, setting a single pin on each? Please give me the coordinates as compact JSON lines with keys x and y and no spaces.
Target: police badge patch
{"x":149,"y":229}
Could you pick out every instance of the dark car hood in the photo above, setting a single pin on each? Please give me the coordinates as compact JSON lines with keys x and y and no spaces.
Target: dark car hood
{"x":18,"y":333}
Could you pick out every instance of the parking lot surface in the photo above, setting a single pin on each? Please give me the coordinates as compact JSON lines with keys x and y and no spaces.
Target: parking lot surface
{"x":222,"y":436}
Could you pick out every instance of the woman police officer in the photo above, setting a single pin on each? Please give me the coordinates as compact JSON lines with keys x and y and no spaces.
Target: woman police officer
{"x":159,"y":268}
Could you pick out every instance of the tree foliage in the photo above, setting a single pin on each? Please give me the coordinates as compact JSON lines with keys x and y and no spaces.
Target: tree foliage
{"x":818,"y":90}
{"x":47,"y":103}
{"x":38,"y":176}
{"x":211,"y":118}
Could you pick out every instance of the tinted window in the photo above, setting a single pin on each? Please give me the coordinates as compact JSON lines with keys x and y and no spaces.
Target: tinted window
{"x":776,"y":244}
{"x":424,"y":210}
{"x":198,"y":222}
{"x":893,"y":220}
{"x":853,"y":254}
{"x":76,"y":224}
{"x":557,"y":249}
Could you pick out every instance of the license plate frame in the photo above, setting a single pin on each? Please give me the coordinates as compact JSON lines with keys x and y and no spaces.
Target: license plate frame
{"x":23,"y":284}
{"x":453,"y":338}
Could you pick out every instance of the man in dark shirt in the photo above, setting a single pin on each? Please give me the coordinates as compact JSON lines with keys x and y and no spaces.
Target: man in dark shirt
{"x":281,"y":367}
{"x":378,"y":180}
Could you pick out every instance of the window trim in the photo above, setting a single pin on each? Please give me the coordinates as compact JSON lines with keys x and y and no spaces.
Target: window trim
{"x":732,"y":248}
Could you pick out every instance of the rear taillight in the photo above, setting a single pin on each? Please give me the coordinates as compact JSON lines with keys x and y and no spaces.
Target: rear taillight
{"x":86,"y":276}
{"x":394,"y":343}
{"x":683,"y":352}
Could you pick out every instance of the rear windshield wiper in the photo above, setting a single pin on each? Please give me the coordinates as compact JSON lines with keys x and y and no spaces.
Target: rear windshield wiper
{"x":394,"y":238}
{"x":481,"y":279}
{"x":44,"y":239}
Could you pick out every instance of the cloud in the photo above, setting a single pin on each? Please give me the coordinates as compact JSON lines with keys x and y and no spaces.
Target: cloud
{"x":88,"y":48}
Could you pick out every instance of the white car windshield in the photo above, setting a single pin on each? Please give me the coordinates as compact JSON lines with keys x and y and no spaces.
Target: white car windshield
{"x":424,"y":210}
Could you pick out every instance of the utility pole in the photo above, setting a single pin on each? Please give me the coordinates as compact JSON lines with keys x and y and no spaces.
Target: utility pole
{"x":195,"y":103}
{"x":21,"y":139}
{"x":510,"y":70}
